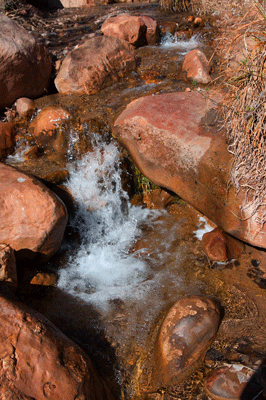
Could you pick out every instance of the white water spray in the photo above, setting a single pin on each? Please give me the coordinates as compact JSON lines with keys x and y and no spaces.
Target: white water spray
{"x":103,"y":267}
{"x":170,"y":41}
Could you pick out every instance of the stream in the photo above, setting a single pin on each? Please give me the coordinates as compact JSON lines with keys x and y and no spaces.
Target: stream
{"x":122,"y":266}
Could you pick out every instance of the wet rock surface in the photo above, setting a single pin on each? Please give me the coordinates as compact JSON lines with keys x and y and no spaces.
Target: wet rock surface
{"x":195,"y":67}
{"x":187,"y":330}
{"x":7,"y":139}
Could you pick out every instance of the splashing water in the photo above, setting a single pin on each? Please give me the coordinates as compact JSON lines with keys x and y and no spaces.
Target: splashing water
{"x":108,"y":226}
{"x":170,"y":41}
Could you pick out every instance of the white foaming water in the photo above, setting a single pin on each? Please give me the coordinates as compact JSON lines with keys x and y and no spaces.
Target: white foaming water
{"x":203,"y":227}
{"x":170,"y":41}
{"x":108,"y":225}
{"x":18,"y":156}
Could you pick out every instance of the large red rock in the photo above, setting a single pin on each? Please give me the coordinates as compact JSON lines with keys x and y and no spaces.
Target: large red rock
{"x":126,"y":27}
{"x":153,"y":32}
{"x":25,"y":64}
{"x":173,"y":140}
{"x":33,"y":219}
{"x":7,"y":138}
{"x":97,"y":63}
{"x":195,"y":67}
{"x":187,"y":331}
{"x":39,"y":362}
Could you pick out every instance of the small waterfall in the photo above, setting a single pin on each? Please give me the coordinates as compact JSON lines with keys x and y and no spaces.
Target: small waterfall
{"x":170,"y":41}
{"x":103,"y":267}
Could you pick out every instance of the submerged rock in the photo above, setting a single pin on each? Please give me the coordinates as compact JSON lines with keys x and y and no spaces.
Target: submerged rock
{"x":230,"y":383}
{"x":187,"y":330}
{"x":39,"y":362}
{"x":174,"y":142}
{"x":25,"y":64}
{"x":33,"y":219}
{"x":97,"y":63}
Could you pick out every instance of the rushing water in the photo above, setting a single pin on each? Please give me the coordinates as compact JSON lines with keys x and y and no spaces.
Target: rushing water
{"x":108,"y":225}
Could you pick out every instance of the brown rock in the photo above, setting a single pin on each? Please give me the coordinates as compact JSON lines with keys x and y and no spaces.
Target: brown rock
{"x":221,"y":247}
{"x":99,"y":62}
{"x":195,"y":67}
{"x":168,"y":27}
{"x":230,"y":382}
{"x":126,"y":27}
{"x":25,"y":64}
{"x":152,"y":33}
{"x":33,"y":219}
{"x":45,"y":126}
{"x":187,"y":331}
{"x":7,"y":139}
{"x":24,"y":107}
{"x":173,"y":140}
{"x":44,"y":279}
{"x":8,"y":271}
{"x":157,"y":199}
{"x":38,"y":361}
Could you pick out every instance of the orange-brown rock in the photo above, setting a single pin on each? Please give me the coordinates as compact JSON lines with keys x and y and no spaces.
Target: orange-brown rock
{"x":187,"y":331}
{"x":126,"y":27}
{"x":195,"y":67}
{"x":44,"y":279}
{"x":221,"y":247}
{"x":8,"y":270}
{"x":157,"y":198}
{"x":24,"y":107}
{"x":45,"y":126}
{"x":38,"y":361}
{"x":153,"y":32}
{"x":7,"y":139}
{"x":97,"y":63}
{"x":173,"y":140}
{"x":25,"y":64}
{"x":33,"y":219}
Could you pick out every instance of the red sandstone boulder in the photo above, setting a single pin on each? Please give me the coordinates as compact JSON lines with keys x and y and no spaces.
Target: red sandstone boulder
{"x":38,"y":361}
{"x":45,"y":126}
{"x":137,"y":30}
{"x":126,"y":27}
{"x":7,"y":139}
{"x":187,"y":331}
{"x":99,"y":62}
{"x":221,"y":247}
{"x":195,"y":67}
{"x":25,"y":64}
{"x":33,"y":219}
{"x":173,"y":141}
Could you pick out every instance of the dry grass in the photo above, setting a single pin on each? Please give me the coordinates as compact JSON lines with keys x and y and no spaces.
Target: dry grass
{"x":245,"y":118}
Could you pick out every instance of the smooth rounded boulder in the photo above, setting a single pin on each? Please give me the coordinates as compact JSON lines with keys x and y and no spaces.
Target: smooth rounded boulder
{"x":94,"y":65}
{"x":25,"y":64}
{"x":195,"y":67}
{"x":186,"y":332}
{"x":33,"y":219}
{"x":39,"y":362}
{"x":174,"y":141}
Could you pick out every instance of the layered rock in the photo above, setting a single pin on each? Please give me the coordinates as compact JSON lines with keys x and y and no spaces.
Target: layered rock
{"x":187,"y":330}
{"x":97,"y":63}
{"x":39,"y":362}
{"x":25,"y":64}
{"x":33,"y":219}
{"x":137,"y":30}
{"x":195,"y":67}
{"x":173,"y":140}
